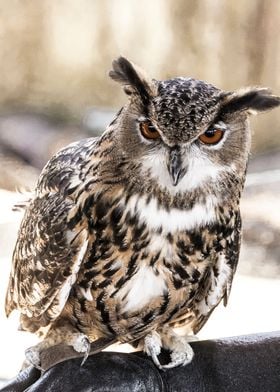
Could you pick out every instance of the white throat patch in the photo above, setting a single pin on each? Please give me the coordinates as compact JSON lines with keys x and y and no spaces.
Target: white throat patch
{"x":156,"y":217}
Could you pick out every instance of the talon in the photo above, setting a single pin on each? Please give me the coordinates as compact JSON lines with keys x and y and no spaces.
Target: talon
{"x":152,"y":346}
{"x":81,"y":344}
{"x":86,"y":353}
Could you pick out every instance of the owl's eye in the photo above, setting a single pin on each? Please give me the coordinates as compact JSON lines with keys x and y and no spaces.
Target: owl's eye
{"x":211,"y":136}
{"x":148,"y":130}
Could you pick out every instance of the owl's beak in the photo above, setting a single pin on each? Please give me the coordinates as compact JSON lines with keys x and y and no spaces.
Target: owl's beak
{"x":175,"y":165}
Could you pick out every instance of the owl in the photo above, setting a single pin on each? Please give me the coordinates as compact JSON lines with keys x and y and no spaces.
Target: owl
{"x":133,"y":233}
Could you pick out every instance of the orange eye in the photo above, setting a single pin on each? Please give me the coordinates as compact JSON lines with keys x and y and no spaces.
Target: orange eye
{"x":211,"y":136}
{"x":148,"y":130}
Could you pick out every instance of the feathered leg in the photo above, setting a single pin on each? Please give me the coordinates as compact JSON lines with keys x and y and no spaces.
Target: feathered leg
{"x":58,"y":334}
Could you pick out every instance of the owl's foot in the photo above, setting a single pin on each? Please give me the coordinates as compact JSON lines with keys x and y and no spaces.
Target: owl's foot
{"x":77,"y":340}
{"x":180,"y":357}
{"x":32,"y":357}
{"x":81,"y":344}
{"x":181,"y":351}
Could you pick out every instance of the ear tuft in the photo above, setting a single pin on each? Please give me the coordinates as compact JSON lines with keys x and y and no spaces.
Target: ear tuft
{"x":251,"y":100}
{"x":133,"y":79}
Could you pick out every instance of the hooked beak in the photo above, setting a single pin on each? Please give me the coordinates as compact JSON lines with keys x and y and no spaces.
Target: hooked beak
{"x":175,"y":165}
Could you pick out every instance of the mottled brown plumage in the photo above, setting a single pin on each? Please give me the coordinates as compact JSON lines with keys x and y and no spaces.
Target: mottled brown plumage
{"x":128,"y":237}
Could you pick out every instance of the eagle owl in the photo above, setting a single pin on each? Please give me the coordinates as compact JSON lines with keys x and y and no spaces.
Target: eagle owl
{"x":137,"y":231}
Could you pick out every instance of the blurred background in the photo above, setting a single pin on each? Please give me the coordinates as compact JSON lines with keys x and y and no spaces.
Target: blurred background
{"x":54,"y":89}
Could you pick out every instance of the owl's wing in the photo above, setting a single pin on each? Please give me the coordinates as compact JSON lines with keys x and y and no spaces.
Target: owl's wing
{"x":217,"y":282}
{"x":49,"y":251}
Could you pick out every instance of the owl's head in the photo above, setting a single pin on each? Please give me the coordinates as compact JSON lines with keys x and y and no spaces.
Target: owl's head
{"x":186,"y":132}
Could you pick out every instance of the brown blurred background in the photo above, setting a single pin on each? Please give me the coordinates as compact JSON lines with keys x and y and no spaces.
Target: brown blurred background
{"x":55,"y":54}
{"x":54,"y":88}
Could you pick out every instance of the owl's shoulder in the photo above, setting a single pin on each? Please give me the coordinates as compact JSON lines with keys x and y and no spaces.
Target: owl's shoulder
{"x":63,"y":173}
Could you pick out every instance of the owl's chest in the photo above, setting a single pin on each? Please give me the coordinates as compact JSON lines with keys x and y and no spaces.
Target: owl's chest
{"x":145,"y":262}
{"x":139,"y":232}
